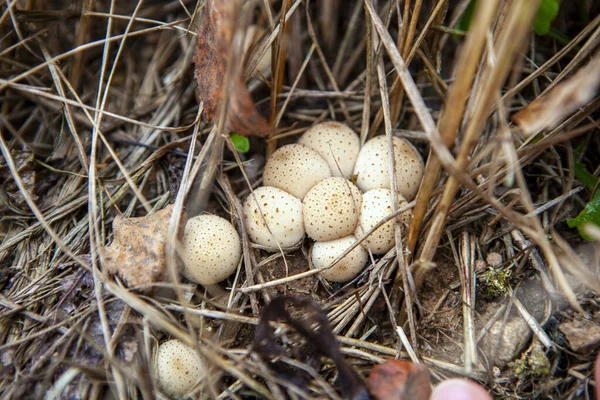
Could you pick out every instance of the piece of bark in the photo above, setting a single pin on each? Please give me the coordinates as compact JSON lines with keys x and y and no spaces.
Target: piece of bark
{"x":399,"y":380}
{"x":213,"y":45}
{"x":137,"y":253}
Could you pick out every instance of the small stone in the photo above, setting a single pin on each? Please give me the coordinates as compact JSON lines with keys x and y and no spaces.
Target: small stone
{"x":582,"y":334}
{"x":505,"y":341}
{"x":494,"y":259}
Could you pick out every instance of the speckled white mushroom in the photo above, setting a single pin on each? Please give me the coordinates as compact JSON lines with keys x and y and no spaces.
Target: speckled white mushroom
{"x":377,"y":204}
{"x":178,"y":368}
{"x":211,"y":249}
{"x":324,"y":253}
{"x":336,"y":143}
{"x":331,"y":209}
{"x":372,"y":166}
{"x":296,"y":169}
{"x":273,"y":217}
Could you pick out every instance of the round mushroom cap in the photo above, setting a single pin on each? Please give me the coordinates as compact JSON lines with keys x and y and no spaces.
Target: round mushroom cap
{"x":178,"y":368}
{"x":372,"y":166}
{"x":348,"y":268}
{"x":273,"y":218}
{"x":211,"y":249}
{"x":377,"y":204}
{"x":296,"y":169}
{"x":331,"y":209}
{"x":336,"y":143}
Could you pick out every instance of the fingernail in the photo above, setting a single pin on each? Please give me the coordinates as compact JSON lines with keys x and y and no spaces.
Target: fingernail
{"x":459,"y":389}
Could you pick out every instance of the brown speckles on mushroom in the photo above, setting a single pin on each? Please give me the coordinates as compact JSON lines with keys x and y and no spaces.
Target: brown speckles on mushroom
{"x":377,"y":204}
{"x":331,"y":209}
{"x":295,"y":168}
{"x":324,"y":253}
{"x":336,"y":143}
{"x":178,"y":369}
{"x":372,"y":166}
{"x":271,"y":228}
{"x":211,"y":249}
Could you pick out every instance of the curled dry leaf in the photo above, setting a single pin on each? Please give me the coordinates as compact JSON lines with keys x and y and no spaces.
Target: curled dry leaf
{"x":399,"y":380}
{"x":138,"y":251}
{"x":550,"y":109}
{"x":213,"y":47}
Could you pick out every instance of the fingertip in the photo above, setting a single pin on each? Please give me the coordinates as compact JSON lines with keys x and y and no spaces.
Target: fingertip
{"x":460,"y":389}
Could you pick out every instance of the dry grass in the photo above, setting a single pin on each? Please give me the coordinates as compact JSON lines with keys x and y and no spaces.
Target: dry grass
{"x":99,"y":118}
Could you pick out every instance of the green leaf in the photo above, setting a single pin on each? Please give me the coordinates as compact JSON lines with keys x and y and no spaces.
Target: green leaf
{"x":589,"y":215}
{"x":546,"y":13}
{"x":591,"y":212}
{"x":241,"y":143}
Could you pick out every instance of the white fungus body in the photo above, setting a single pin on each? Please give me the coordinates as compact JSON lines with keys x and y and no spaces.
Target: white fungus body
{"x":377,"y":205}
{"x":211,"y":249}
{"x":324,"y":253}
{"x":336,"y":143}
{"x":373,"y":168}
{"x":331,"y":209}
{"x":296,"y":169}
{"x":178,"y":369}
{"x":273,"y":218}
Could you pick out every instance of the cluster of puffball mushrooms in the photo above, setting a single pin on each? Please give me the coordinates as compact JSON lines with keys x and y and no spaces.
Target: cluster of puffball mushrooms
{"x":308,"y":190}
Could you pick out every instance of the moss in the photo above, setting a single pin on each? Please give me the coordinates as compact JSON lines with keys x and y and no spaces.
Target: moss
{"x":494,"y":283}
{"x":533,"y":363}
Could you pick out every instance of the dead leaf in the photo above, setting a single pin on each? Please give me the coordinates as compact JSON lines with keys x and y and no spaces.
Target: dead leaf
{"x":399,"y":380}
{"x":138,"y":251}
{"x":213,"y":46}
{"x":550,"y":109}
{"x":9,"y":192}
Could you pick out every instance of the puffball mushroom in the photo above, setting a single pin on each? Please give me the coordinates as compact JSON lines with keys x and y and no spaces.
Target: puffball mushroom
{"x":211,"y":249}
{"x":336,"y":143}
{"x":273,"y":217}
{"x":377,"y":204}
{"x":331,"y":209}
{"x":178,"y":368}
{"x":372,"y":166}
{"x":324,"y":253}
{"x":296,"y":169}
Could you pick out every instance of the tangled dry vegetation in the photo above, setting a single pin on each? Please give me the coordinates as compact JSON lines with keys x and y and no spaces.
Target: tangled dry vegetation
{"x":100,"y":119}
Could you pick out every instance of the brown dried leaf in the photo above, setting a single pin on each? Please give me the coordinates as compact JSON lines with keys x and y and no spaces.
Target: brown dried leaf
{"x":138,"y":251}
{"x":213,"y":46}
{"x":549,"y":110}
{"x":399,"y":380}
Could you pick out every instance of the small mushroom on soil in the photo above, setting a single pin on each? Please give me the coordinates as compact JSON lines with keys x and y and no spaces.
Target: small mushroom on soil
{"x":178,"y":368}
{"x":296,"y":169}
{"x":211,"y":249}
{"x":376,"y":205}
{"x":273,"y":218}
{"x":336,"y":143}
{"x":372,"y":166}
{"x":331,"y":209}
{"x":324,"y":253}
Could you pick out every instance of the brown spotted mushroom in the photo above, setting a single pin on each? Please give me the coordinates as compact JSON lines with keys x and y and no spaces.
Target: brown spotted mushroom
{"x":331,"y":209}
{"x":336,"y":143}
{"x":273,"y":218}
{"x":178,"y":368}
{"x":296,"y":169}
{"x":373,"y":170}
